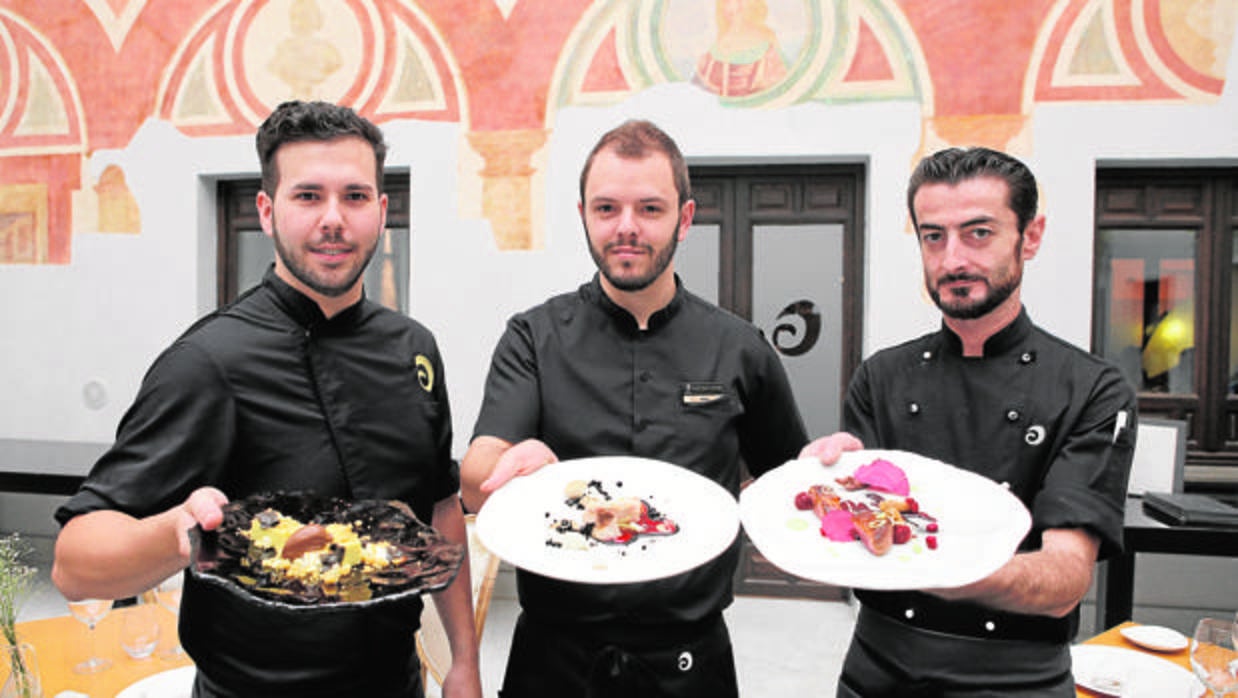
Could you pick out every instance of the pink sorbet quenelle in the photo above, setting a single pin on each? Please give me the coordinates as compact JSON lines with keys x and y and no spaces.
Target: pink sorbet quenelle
{"x":884,"y":476}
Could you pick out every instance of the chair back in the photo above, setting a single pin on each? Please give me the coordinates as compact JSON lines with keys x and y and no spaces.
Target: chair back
{"x":1160,"y":456}
{"x":433,"y":647}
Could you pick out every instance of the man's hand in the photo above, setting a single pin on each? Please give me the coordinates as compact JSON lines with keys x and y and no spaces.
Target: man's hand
{"x":524,"y":458}
{"x":828,"y":449}
{"x":204,"y":508}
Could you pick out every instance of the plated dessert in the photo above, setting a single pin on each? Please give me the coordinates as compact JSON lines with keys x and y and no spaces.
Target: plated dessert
{"x":882,"y":519}
{"x":873,"y":506}
{"x":301,"y":549}
{"x":593,"y":513}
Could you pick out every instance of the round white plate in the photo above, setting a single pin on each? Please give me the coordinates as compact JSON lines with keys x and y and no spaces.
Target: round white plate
{"x":174,"y":683}
{"x":981,"y":524}
{"x":1103,"y":669}
{"x":1155,"y":637}
{"x":514,"y":522}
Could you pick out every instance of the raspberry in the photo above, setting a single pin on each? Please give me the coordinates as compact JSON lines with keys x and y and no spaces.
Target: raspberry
{"x":912,"y":505}
{"x":931,"y":542}
{"x":931,"y":527}
{"x":803,"y":501}
{"x":902,"y":534}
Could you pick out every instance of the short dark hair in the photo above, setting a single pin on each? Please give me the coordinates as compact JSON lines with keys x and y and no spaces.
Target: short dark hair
{"x":954,"y":165}
{"x":636,"y":139}
{"x":313,"y":121}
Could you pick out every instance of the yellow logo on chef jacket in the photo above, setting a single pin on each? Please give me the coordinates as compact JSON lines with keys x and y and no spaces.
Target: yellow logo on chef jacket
{"x":425,"y":372}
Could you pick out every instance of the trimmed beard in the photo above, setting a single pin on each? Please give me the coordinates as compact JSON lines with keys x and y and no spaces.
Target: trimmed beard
{"x":301,"y":273}
{"x":661,"y":260}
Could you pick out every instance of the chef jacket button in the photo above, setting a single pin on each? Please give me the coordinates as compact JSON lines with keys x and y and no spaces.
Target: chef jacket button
{"x":644,"y":376}
{"x":910,"y":613}
{"x":927,"y":355}
{"x":1012,"y":416}
{"x":913,"y":407}
{"x":1027,"y":357}
{"x":990,"y":625}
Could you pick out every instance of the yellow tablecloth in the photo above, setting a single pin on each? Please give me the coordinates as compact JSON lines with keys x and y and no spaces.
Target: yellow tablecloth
{"x":61,"y":642}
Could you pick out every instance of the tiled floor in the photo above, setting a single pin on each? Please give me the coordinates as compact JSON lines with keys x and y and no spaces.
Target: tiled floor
{"x":782,"y":647}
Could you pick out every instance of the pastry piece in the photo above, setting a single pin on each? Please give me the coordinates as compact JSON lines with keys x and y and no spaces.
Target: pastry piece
{"x":876,"y":531}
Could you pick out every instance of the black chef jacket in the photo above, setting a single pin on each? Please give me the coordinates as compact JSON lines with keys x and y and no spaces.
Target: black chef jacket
{"x":267,"y":394}
{"x":699,"y":388}
{"x":1055,"y":423}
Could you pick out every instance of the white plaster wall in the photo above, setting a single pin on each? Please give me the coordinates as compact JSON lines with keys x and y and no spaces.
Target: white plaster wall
{"x":106,"y":315}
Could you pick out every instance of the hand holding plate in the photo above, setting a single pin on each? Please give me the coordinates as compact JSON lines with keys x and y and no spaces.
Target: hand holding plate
{"x":828,"y":449}
{"x":524,"y":458}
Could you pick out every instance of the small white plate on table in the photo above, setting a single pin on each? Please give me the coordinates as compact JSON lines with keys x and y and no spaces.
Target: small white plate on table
{"x":1103,"y":669}
{"x":174,"y":683}
{"x":1155,"y":637}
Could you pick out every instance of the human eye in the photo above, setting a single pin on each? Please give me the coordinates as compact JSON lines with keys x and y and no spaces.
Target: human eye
{"x":930,"y":237}
{"x":305,"y":195}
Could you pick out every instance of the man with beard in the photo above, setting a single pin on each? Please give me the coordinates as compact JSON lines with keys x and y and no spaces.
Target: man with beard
{"x":300,"y":385}
{"x":630,"y":364}
{"x":994,"y":394}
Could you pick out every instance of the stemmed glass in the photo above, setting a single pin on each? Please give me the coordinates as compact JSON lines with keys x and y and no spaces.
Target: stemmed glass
{"x":168,"y":594}
{"x":1214,"y":657}
{"x":90,"y":612}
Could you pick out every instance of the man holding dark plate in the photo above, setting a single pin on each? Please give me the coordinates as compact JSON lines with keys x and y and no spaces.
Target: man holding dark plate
{"x":301,"y":384}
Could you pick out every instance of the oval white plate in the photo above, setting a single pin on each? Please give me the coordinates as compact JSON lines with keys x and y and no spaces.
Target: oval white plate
{"x":1155,"y":637}
{"x":513,"y":522}
{"x":174,"y":683}
{"x":1102,"y":669}
{"x":981,"y":525}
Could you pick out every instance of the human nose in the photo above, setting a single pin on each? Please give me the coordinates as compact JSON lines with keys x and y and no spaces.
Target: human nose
{"x":626,"y":225}
{"x":954,"y":253}
{"x":332,"y":214}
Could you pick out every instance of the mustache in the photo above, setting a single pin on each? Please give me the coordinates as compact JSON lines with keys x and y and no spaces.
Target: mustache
{"x":951,"y":278}
{"x":623,"y":243}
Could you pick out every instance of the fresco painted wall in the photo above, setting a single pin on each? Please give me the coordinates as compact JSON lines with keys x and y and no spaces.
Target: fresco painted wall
{"x":117,"y":117}
{"x":81,"y":76}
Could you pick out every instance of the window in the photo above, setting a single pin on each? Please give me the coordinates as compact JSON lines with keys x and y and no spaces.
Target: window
{"x":1166,"y":292}
{"x":245,"y":252}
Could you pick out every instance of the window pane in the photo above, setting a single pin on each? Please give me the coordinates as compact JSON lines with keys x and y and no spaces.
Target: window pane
{"x":1146,"y":306}
{"x":696,"y":260}
{"x":1233,"y":315}
{"x":797,"y":301}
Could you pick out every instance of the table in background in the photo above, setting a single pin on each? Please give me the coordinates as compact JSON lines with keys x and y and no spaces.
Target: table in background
{"x":62,"y":641}
{"x":1113,"y":638}
{"x":1115,"y":582}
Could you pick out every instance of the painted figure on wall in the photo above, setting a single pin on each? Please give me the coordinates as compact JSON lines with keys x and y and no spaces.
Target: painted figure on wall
{"x":745,"y":57}
{"x":303,"y":60}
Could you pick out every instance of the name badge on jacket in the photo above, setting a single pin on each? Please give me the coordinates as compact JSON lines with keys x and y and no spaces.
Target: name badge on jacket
{"x":703,"y":393}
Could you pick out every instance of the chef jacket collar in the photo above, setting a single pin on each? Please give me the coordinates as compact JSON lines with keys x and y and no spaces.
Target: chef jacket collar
{"x":304,"y":310}
{"x":625,"y":318}
{"x":1006,"y":339}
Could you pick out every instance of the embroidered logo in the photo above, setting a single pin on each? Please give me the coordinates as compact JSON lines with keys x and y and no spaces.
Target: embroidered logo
{"x":425,"y":372}
{"x":685,"y":661}
{"x":1035,"y":435}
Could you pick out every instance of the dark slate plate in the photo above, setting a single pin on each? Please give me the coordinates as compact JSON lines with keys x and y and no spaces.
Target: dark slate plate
{"x":219,"y":556}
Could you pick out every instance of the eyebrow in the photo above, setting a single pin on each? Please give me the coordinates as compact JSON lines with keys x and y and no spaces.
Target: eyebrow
{"x":978,"y":220}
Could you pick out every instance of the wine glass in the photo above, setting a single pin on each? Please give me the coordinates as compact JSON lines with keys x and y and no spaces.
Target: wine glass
{"x":1214,"y":657}
{"x":168,"y":594}
{"x":90,"y":612}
